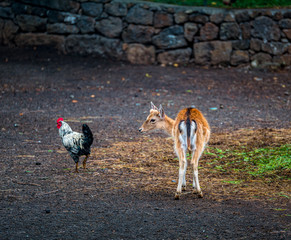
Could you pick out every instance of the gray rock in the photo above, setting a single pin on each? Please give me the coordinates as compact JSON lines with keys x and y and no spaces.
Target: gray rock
{"x":190,"y":29}
{"x":198,"y":18}
{"x":162,"y":19}
{"x":63,"y":5}
{"x":56,"y":17}
{"x":138,"y":34}
{"x":86,"y":24}
{"x":92,"y":9}
{"x":5,"y":12}
{"x":215,"y":52}
{"x":94,"y":45}
{"x":172,"y":37}
{"x":117,"y":9}
{"x":245,"y":30}
{"x":138,"y":15}
{"x":175,"y":56}
{"x":140,"y":54}
{"x":256,"y":44}
{"x":229,"y":30}
{"x":209,"y":32}
{"x":61,"y":28}
{"x":285,"y":23}
{"x":181,"y":17}
{"x":110,"y":27}
{"x":9,"y":31}
{"x":241,"y":44}
{"x":242,"y":16}
{"x":275,"y":48}
{"x":261,"y":59}
{"x":265,"y":28}
{"x":29,"y":23}
{"x":284,"y":60}
{"x":287,"y":33}
{"x":40,"y":39}
{"x":239,"y":57}
{"x":217,"y":18}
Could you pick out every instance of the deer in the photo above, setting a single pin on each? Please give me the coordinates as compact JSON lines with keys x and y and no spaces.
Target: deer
{"x":190,"y":131}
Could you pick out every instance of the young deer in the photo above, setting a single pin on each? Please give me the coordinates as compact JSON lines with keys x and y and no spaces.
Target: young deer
{"x":190,"y":131}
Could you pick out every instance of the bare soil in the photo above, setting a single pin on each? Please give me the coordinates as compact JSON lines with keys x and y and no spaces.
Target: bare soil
{"x":127,"y":192}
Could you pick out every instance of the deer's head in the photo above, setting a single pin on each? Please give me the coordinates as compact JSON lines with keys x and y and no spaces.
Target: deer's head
{"x":155,"y":120}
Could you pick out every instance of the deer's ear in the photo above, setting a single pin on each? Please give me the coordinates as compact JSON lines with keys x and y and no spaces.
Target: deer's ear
{"x":162,"y":112}
{"x":153,"y":106}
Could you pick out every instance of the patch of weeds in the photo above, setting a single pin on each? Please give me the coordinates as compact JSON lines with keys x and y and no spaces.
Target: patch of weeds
{"x":274,"y":162}
{"x":233,"y":182}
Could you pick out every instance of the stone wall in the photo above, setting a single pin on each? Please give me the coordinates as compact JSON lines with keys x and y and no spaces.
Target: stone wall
{"x":149,"y":33}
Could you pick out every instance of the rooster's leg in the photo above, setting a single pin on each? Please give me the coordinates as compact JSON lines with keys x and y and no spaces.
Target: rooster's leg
{"x":77,"y":163}
{"x":85,"y":160}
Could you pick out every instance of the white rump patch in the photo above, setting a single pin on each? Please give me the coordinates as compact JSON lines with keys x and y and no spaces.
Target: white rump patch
{"x":183,"y":135}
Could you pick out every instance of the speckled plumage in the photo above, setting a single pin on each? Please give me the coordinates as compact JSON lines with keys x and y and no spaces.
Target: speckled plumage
{"x":77,"y":144}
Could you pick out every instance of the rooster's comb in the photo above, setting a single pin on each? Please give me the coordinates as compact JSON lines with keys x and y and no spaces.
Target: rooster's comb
{"x":60,"y":119}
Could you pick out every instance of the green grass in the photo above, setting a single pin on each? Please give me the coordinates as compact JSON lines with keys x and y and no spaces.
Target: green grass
{"x":258,"y":162}
{"x":237,"y":4}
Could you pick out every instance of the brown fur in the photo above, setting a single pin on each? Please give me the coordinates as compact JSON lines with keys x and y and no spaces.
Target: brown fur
{"x":157,"y":119}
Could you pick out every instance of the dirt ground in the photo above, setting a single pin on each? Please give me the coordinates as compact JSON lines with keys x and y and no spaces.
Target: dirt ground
{"x":127,"y":192}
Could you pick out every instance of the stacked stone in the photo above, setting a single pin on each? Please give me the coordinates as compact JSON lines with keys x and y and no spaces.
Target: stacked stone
{"x":149,"y":33}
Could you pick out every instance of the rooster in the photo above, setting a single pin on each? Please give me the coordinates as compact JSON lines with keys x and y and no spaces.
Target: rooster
{"x":77,"y":144}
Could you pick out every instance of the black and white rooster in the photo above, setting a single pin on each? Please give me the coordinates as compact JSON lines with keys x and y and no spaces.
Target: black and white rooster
{"x":77,"y":144}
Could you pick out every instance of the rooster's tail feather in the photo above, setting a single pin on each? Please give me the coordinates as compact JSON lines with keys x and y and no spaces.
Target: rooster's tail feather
{"x":88,"y":134}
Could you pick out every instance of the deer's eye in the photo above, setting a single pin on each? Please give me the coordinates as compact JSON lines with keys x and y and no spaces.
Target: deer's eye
{"x":153,"y":120}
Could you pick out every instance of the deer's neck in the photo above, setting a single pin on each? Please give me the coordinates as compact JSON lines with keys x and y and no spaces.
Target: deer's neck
{"x":169,"y":124}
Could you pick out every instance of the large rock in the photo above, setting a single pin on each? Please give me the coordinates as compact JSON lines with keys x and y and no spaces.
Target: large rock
{"x":215,"y":52}
{"x":217,"y":18}
{"x":198,"y":18}
{"x":138,"y":15}
{"x":117,"y":9}
{"x":64,"y":5}
{"x":86,"y":24}
{"x":190,"y":29}
{"x":56,"y":17}
{"x":92,"y":9}
{"x":261,"y":59}
{"x":29,"y":23}
{"x":229,"y":31}
{"x":239,"y":57}
{"x":9,"y":31}
{"x":175,"y":56}
{"x":61,"y":28}
{"x":138,"y":34}
{"x":19,"y":8}
{"x":181,"y":17}
{"x":287,"y":33}
{"x":140,"y":54}
{"x":241,"y":44}
{"x":256,"y":44}
{"x":40,"y":39}
{"x":245,"y":30}
{"x":275,"y":48}
{"x":209,"y":32}
{"x":242,"y":16}
{"x":94,"y":45}
{"x":285,"y":23}
{"x":265,"y":28}
{"x":162,"y":19}
{"x":5,"y":12}
{"x":110,"y":27}
{"x":172,"y":37}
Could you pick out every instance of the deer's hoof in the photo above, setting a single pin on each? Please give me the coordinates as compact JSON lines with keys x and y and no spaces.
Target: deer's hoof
{"x":183,"y":188}
{"x":200,"y":195}
{"x":177,"y":196}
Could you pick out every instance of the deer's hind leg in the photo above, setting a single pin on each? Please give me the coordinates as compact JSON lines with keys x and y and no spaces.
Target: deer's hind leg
{"x":181,"y":150}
